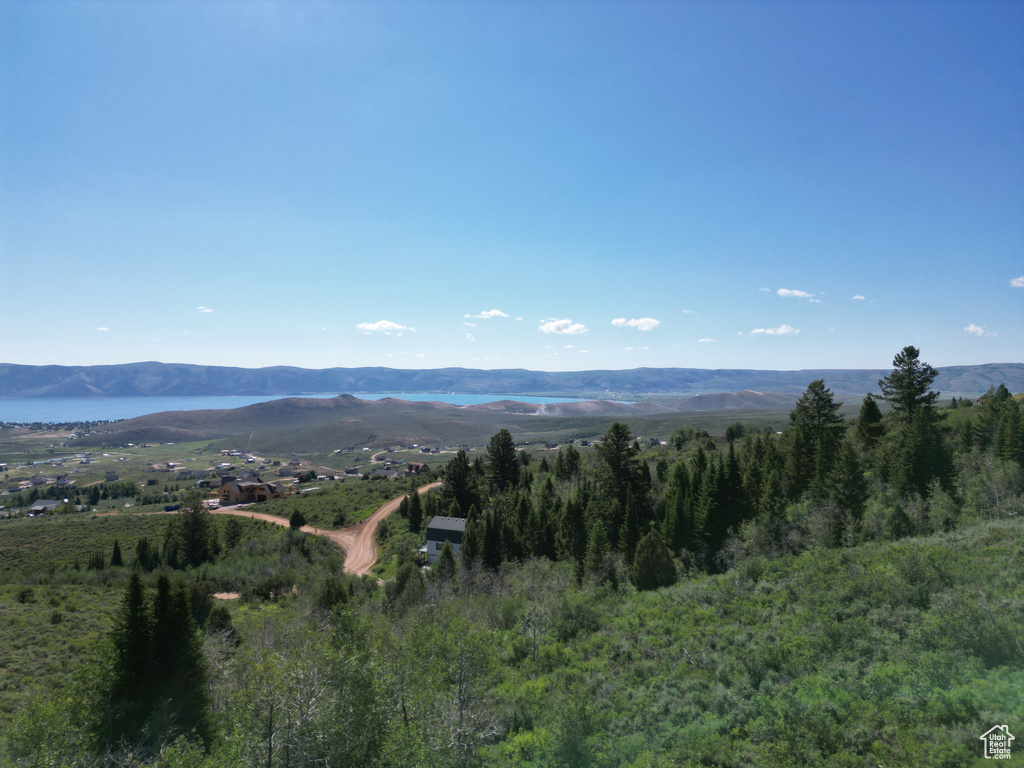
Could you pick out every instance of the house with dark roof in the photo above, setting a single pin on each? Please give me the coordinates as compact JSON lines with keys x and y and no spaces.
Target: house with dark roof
{"x":441,"y":529}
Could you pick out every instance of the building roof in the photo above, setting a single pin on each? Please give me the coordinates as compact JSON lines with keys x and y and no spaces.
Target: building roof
{"x":439,"y":523}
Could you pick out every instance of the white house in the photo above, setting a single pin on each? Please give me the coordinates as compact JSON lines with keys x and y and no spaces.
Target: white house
{"x":441,"y":529}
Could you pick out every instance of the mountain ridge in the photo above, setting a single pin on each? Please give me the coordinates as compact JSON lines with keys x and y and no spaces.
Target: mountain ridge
{"x":183,"y":379}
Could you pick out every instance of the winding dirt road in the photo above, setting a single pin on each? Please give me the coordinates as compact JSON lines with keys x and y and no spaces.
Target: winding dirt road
{"x":359,"y":541}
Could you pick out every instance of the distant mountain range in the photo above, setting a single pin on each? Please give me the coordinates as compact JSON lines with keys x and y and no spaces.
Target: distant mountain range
{"x":169,"y":379}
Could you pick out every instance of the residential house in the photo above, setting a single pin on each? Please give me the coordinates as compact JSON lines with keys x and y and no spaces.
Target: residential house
{"x":43,"y":505}
{"x":417,"y":468}
{"x":442,"y":529}
{"x":249,"y":491}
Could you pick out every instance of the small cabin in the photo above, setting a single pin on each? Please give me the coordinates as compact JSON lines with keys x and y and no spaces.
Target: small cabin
{"x":441,"y":529}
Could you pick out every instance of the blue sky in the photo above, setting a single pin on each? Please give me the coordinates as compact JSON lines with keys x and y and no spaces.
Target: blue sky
{"x":545,"y":185}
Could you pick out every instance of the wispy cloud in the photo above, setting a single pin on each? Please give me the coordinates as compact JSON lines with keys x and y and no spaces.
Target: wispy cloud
{"x":782,"y":330}
{"x":383,"y":326}
{"x":977,"y":330}
{"x":101,"y":328}
{"x":794,"y":294}
{"x":857,"y":297}
{"x":487,"y":314}
{"x":203,"y":309}
{"x":1017,"y":282}
{"x":707,"y":341}
{"x":640,"y":323}
{"x":563,"y":326}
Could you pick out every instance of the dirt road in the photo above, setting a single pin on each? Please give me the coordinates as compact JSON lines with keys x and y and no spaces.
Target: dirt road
{"x":359,"y":541}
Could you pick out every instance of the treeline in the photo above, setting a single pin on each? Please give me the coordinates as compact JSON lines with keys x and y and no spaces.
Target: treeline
{"x":824,"y":481}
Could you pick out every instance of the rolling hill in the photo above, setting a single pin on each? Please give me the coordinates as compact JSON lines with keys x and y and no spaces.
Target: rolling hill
{"x":320,"y":425}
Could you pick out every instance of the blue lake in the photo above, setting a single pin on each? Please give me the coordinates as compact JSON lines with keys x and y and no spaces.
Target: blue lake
{"x":26,"y":410}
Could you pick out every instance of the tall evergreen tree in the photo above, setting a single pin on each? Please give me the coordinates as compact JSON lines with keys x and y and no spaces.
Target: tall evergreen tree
{"x":678,"y":526}
{"x":572,"y":534}
{"x":629,"y":533}
{"x":127,"y":697}
{"x":492,"y":549}
{"x":459,"y":483}
{"x":502,"y":463}
{"x":869,"y":423}
{"x":815,"y":430}
{"x":907,"y":388}
{"x":916,"y":452}
{"x":472,"y":539}
{"x":415,"y":512}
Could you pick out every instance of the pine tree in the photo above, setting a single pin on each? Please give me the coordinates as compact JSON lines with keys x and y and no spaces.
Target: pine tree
{"x":869,"y":423}
{"x":415,"y":512}
{"x":472,"y":539}
{"x":652,"y":566}
{"x":492,"y":549}
{"x":502,"y":463}
{"x":446,"y":562}
{"x":128,"y":695}
{"x":815,"y":430}
{"x":629,"y":533}
{"x":906,"y":389}
{"x":459,"y":483}
{"x":115,"y":556}
{"x":572,"y":534}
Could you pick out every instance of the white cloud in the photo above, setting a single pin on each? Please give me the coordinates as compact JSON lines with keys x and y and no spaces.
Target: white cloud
{"x":383,"y":326}
{"x":469,"y":337}
{"x":640,"y":323}
{"x":707,"y":341}
{"x":470,"y":325}
{"x":564,"y":326}
{"x":782,"y":330}
{"x":203,"y":309}
{"x":101,"y":328}
{"x":487,"y":314}
{"x":977,"y":330}
{"x":815,"y":301}
{"x":789,"y":293}
{"x":1017,"y":282}
{"x":857,"y":297}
